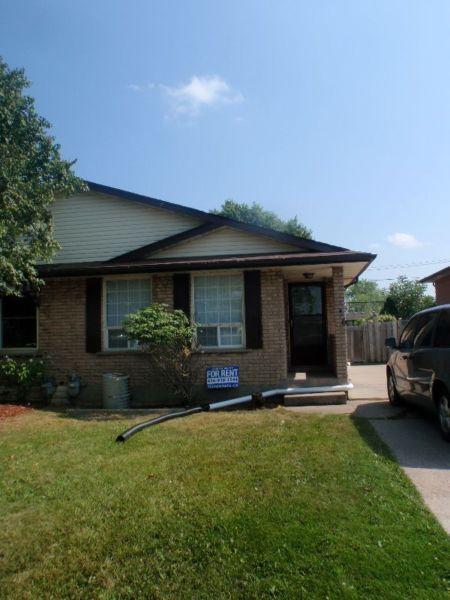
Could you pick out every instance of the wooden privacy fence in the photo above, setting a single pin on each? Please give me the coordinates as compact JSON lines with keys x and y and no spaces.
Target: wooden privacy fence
{"x":365,"y":343}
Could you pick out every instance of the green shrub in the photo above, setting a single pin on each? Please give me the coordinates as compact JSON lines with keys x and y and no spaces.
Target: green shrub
{"x":21,"y":374}
{"x":168,"y":339}
{"x":156,"y":326}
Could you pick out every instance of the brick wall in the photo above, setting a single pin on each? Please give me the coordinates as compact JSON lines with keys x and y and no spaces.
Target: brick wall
{"x":62,"y":341}
{"x":336,"y":326}
{"x":442,"y":287}
{"x":264,"y":367}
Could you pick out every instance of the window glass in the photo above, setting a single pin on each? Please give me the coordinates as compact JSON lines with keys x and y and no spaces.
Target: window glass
{"x":218,"y":310}
{"x":306,"y":300}
{"x":424,"y":331}
{"x":407,"y":338}
{"x":442,"y":335}
{"x":18,"y":328}
{"x":124,"y":296}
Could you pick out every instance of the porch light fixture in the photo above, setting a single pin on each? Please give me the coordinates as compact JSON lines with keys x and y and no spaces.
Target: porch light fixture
{"x":308,"y":275}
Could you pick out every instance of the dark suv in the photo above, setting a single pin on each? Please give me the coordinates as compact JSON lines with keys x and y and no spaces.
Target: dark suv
{"x":418,"y":369}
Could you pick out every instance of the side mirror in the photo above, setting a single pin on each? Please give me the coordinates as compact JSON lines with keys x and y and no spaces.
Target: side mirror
{"x":391,"y":343}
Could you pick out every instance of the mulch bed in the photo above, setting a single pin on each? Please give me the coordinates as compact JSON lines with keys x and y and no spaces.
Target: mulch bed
{"x":12,"y":410}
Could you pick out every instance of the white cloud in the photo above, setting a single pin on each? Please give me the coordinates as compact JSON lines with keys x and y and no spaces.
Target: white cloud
{"x":136,"y":87}
{"x":199,"y":93}
{"x":404,"y":240}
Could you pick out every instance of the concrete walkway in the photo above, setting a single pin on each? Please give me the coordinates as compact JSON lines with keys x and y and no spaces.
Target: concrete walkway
{"x":369,"y":382}
{"x":424,"y":457}
{"x":414,"y":440}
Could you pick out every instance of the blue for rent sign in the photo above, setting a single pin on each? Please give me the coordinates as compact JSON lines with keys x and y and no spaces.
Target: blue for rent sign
{"x":222,"y":377}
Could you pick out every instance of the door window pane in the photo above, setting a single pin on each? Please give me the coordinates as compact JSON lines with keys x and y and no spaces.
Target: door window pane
{"x":442,"y":336}
{"x":306,"y":300}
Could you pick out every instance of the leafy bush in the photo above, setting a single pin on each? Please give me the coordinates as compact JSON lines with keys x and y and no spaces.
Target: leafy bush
{"x":406,"y":297}
{"x":21,"y":374}
{"x":168,"y":339}
{"x":377,"y":319}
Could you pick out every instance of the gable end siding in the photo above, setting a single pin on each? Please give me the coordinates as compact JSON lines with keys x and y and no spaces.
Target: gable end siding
{"x":94,"y":227}
{"x":222,"y":242}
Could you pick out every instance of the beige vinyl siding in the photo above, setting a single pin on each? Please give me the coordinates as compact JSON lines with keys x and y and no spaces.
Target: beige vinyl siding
{"x":92,"y":227}
{"x":225,"y":241}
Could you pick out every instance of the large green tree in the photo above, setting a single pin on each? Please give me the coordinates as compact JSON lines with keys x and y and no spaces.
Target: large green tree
{"x":255,"y":214}
{"x":365,"y":296}
{"x":32,"y":171}
{"x":406,"y":297}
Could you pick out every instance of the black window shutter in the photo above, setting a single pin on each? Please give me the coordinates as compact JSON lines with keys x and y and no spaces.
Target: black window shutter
{"x":253,"y":320}
{"x":182,"y":292}
{"x":94,"y":314}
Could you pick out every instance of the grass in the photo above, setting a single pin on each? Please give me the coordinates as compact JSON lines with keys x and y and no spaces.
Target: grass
{"x":265,"y":504}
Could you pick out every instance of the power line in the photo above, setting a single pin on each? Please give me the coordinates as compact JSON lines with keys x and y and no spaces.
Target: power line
{"x":408,"y":265}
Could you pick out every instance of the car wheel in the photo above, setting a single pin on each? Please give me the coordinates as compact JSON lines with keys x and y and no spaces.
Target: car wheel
{"x":443,"y":408}
{"x":393,"y":395}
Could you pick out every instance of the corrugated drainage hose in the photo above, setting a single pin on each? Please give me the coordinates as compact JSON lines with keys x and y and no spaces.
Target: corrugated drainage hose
{"x":256,"y":398}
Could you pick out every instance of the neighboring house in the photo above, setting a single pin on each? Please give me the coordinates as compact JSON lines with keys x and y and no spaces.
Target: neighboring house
{"x":441,"y":282}
{"x":267,"y":302}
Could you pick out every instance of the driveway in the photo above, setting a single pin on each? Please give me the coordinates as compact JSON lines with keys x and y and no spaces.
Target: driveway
{"x":369,"y":382}
{"x":423,"y":455}
{"x":411,"y":435}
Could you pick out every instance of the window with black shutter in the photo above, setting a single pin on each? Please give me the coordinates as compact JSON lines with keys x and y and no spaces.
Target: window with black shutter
{"x":18,"y":323}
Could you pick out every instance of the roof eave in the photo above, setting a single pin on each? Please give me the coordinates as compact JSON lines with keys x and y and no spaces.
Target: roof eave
{"x":203,"y":263}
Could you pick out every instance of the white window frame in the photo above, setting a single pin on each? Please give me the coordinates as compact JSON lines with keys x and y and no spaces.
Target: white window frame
{"x":26,"y":350}
{"x":105,"y":327}
{"x":218,"y":325}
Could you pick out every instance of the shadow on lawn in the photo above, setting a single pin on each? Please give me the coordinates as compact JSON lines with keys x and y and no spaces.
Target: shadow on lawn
{"x":371,"y":438}
{"x":101,"y":415}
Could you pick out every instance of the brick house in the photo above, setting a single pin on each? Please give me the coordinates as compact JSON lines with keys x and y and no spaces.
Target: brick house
{"x":268,"y":302}
{"x":441,"y":282}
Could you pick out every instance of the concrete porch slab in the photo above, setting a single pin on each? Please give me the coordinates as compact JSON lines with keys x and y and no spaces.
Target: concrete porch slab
{"x":316,"y":399}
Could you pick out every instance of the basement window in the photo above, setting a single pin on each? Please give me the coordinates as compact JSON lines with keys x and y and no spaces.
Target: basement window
{"x":218,"y":310}
{"x":18,"y":324}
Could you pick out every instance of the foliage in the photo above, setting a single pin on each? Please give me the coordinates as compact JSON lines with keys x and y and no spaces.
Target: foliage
{"x":406,"y":297}
{"x":255,"y":214}
{"x":31,"y":173}
{"x":21,"y":374}
{"x":384,"y":318}
{"x":365,"y":296}
{"x":168,"y":339}
{"x":244,"y":504}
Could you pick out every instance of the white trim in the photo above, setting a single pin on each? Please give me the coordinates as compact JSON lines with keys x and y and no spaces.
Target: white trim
{"x":105,"y":328}
{"x":26,"y":350}
{"x":219,"y":273}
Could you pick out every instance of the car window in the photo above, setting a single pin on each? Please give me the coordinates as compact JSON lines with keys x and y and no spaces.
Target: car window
{"x":424,"y":331}
{"x":407,"y":338}
{"x":442,"y":336}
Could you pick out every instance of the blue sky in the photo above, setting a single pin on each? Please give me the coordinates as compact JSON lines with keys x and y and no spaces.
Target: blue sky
{"x":338,"y":112}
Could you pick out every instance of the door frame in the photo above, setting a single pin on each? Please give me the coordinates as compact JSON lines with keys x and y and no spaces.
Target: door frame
{"x":322,"y":286}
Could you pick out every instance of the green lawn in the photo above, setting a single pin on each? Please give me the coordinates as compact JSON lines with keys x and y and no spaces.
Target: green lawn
{"x":231,"y":505}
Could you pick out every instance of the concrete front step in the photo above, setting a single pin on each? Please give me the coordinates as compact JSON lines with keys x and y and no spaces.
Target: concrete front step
{"x":316,"y":399}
